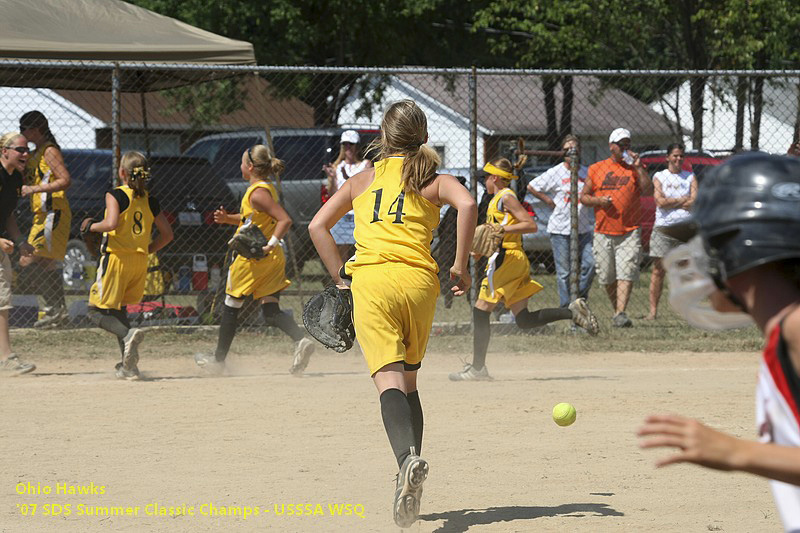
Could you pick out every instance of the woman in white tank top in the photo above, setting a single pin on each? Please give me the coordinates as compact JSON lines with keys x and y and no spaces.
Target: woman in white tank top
{"x":346,"y":166}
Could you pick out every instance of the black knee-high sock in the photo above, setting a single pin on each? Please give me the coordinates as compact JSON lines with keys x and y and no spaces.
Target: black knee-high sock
{"x":53,"y":289}
{"x":273,"y":316}
{"x":417,"y":420}
{"x":227,"y":330}
{"x":114,"y":321}
{"x":480,"y":337}
{"x":396,"y":415}
{"x":526,"y":320}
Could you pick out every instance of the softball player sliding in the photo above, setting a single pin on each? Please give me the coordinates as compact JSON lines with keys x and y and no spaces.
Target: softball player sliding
{"x":127,"y":226}
{"x":47,"y":180}
{"x":394,"y":278}
{"x":263,"y":278}
{"x":508,"y":278}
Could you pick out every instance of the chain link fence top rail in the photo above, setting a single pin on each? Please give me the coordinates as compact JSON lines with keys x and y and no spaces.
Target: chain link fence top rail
{"x":195,"y":133}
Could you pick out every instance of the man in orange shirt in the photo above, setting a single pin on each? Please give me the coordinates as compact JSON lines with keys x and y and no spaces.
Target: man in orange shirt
{"x":613,"y":187}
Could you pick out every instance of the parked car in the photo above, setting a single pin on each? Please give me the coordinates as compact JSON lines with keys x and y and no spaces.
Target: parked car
{"x":186,"y":188}
{"x":303,"y":184}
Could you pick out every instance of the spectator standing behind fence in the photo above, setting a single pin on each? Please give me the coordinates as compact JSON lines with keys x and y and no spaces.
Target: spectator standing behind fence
{"x":46,"y":183}
{"x":675,"y":190}
{"x":553,"y":188}
{"x":12,"y":163}
{"x":346,"y":165}
{"x":613,"y":187}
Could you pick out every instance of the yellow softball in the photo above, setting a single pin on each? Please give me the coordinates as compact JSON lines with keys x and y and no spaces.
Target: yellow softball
{"x":564,"y":414}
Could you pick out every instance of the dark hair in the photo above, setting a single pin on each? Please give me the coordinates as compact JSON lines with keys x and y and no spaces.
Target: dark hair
{"x":36,"y":119}
{"x":135,"y":166}
{"x":673,"y":146}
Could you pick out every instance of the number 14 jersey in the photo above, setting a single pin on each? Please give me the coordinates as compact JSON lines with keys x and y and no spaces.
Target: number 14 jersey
{"x":393,"y":226}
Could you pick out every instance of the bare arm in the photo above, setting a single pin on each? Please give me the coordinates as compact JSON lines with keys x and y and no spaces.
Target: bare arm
{"x":589,"y":199}
{"x":541,"y":196}
{"x":697,"y":443}
{"x":60,"y":180}
{"x":164,"y":234}
{"x":642,"y":176}
{"x":320,"y":228}
{"x":16,"y":236}
{"x":663,"y":201}
{"x":221,"y":216}
{"x":110,"y":221}
{"x":525,"y":223}
{"x":451,"y":192}
{"x":689,"y":202}
{"x":262,"y":200}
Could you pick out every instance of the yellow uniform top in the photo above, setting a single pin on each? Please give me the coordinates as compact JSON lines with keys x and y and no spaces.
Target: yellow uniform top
{"x":132,"y":234}
{"x":37,"y":172}
{"x":496,"y":215}
{"x":393,"y":226}
{"x":260,"y":219}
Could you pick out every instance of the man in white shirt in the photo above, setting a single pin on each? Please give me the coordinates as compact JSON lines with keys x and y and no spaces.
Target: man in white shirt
{"x":553,"y":189}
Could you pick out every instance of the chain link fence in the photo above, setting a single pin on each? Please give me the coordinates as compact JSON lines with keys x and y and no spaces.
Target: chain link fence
{"x":195,"y":136}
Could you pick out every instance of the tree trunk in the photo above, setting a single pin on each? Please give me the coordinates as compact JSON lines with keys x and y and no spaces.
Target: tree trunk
{"x":696,"y":94}
{"x":796,"y":136}
{"x":567,"y":98}
{"x":741,"y":99}
{"x":758,"y":107}
{"x":549,"y":88}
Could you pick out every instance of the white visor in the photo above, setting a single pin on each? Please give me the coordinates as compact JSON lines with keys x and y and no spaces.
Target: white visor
{"x":690,"y":287}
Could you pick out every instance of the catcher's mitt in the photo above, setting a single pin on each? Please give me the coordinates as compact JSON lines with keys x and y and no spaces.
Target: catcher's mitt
{"x":92,"y":240}
{"x":487,"y":240}
{"x":328,"y":317}
{"x":248,"y":242}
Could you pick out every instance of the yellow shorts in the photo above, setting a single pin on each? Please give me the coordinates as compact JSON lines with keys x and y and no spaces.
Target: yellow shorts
{"x":393,"y":307}
{"x":120,"y":281}
{"x":50,"y":232}
{"x":508,"y":278}
{"x":259,"y":277}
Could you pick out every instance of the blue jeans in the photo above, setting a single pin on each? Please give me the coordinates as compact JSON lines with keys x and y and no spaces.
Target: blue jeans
{"x":560,"y":244}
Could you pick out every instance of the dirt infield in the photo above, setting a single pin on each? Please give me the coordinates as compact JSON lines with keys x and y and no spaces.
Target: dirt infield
{"x":262,"y":438}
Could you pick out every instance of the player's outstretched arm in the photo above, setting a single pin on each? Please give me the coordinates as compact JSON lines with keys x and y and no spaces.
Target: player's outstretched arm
{"x":697,"y":443}
{"x":451,"y":192}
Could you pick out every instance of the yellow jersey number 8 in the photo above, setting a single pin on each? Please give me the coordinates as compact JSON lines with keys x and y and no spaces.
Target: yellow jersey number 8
{"x":396,"y":208}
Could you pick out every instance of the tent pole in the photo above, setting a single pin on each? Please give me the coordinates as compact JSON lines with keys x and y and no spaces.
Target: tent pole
{"x":115,"y":121}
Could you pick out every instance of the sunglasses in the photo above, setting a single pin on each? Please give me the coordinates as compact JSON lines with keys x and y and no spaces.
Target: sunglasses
{"x":20,"y":149}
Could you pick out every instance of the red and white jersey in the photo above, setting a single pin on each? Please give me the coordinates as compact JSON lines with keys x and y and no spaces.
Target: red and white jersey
{"x":778,"y":418}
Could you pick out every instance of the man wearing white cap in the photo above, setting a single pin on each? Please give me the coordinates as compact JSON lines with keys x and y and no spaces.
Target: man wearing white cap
{"x":348,"y":164}
{"x":613,"y":187}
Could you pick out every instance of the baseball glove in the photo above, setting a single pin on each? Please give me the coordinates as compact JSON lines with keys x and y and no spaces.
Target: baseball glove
{"x":248,"y":242}
{"x":92,"y":240}
{"x":487,"y":240}
{"x":328,"y":317}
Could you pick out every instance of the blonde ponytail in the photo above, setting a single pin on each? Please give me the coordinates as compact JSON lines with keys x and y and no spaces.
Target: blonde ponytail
{"x":404,"y":130}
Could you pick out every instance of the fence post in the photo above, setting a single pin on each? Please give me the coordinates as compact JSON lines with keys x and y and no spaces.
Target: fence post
{"x":574,"y":261}
{"x":115,"y":122}
{"x":472,"y":84}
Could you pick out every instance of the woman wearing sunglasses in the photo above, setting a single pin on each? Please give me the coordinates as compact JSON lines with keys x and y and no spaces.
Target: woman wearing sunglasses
{"x":46,"y":182}
{"x":12,"y":162}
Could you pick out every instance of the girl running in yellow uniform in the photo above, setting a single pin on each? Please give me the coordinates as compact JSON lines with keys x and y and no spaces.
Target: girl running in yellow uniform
{"x":127,"y":228}
{"x":394,"y":278}
{"x":508,"y":277}
{"x":263,"y":278}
